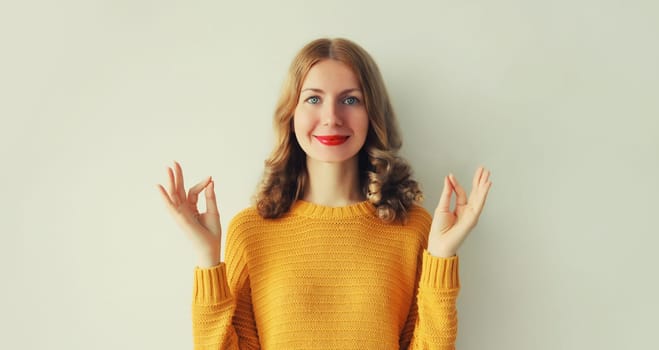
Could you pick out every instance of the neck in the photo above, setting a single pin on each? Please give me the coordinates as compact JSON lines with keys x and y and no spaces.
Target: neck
{"x":333,"y":184}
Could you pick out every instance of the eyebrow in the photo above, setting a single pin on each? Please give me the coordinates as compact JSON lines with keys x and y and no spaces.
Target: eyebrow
{"x":321,"y":91}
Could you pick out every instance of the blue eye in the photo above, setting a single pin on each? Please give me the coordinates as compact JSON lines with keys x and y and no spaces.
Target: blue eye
{"x":313,"y":100}
{"x":351,"y":100}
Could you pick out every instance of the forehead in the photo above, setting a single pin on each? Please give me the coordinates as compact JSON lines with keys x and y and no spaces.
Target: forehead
{"x":329,"y":75}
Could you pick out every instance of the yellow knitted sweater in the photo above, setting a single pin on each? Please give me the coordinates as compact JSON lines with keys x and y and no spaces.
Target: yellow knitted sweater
{"x":327,"y":278}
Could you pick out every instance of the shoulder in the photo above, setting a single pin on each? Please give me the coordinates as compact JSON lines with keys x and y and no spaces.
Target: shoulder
{"x":418,"y":223}
{"x":418,"y":216}
{"x":246,"y":216}
{"x":244,"y":224}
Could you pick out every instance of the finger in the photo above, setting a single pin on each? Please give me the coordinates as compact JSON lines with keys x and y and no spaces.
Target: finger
{"x":165,"y":196}
{"x":477,"y":178}
{"x":172,"y":187}
{"x":479,"y":195}
{"x":211,"y":203}
{"x":445,"y":198}
{"x":194,"y":191}
{"x":487,"y":190}
{"x":461,"y":196}
{"x":180,"y":186}
{"x":480,"y":202}
{"x":485,"y":177}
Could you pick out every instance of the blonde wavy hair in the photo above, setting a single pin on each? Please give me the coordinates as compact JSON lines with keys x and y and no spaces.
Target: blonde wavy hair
{"x":385,"y":177}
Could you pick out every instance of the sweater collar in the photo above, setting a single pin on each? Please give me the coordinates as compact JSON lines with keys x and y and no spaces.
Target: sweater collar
{"x":308,"y":209}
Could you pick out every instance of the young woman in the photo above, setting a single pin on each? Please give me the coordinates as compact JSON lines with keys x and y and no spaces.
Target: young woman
{"x":335,"y":253}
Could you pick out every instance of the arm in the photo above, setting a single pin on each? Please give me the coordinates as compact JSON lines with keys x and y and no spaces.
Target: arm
{"x":212,"y":310}
{"x":220,"y":320}
{"x":432,"y":322}
{"x":222,"y":314}
{"x":221,"y":304}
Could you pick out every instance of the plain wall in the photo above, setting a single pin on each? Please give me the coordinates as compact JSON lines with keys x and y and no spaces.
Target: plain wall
{"x":557,"y":98}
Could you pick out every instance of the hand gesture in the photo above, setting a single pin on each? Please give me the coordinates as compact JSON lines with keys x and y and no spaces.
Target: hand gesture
{"x":204,"y":229}
{"x":450,"y":228}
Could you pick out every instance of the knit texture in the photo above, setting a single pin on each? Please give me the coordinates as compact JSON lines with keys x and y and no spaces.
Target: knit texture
{"x":327,"y":278}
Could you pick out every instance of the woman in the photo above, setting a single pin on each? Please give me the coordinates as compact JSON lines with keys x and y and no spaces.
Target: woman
{"x":336,"y":253}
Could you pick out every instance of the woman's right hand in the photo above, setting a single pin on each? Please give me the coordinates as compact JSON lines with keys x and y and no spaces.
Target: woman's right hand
{"x":203,"y":229}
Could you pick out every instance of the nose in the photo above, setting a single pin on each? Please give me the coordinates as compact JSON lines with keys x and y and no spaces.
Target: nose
{"x":331,"y":115}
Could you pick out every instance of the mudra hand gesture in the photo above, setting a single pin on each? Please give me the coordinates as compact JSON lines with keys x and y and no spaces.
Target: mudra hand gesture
{"x":450,"y":228}
{"x":204,"y":229}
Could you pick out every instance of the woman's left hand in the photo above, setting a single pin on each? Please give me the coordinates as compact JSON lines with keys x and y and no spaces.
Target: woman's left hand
{"x":450,"y":228}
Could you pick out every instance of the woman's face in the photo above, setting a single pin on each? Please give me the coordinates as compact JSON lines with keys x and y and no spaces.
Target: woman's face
{"x":330,"y":120}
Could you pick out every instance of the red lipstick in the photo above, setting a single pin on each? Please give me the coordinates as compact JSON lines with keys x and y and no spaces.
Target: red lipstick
{"x":332,"y":140}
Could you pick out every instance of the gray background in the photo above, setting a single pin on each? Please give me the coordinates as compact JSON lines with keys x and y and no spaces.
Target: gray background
{"x":557,"y":98}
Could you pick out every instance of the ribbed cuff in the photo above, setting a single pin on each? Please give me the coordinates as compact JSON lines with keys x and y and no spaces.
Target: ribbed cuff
{"x":440,"y":272}
{"x":211,"y":284}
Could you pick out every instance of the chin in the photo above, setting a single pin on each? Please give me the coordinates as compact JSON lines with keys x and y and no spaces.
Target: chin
{"x":332,"y":158}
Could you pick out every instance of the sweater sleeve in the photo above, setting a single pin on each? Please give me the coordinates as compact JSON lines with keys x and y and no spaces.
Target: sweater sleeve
{"x":433,"y":322}
{"x":222,"y":314}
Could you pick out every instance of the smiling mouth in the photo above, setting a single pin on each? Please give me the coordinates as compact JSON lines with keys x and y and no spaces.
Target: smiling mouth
{"x":332,"y":140}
